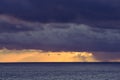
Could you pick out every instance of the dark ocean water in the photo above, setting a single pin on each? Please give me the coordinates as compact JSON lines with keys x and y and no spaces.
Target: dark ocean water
{"x":60,"y":71}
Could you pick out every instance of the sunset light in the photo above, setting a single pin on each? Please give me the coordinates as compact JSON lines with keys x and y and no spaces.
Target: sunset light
{"x":42,"y":56}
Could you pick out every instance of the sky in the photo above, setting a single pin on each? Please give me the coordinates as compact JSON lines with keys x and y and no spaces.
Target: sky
{"x":59,"y":31}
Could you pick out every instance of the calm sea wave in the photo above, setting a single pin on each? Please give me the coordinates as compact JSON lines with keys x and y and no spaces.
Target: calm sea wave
{"x":59,"y":71}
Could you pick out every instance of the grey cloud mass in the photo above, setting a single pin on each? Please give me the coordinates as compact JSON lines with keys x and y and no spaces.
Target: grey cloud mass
{"x":56,"y":36}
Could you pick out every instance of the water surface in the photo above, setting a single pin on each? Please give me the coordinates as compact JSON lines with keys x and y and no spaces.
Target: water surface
{"x":59,"y":71}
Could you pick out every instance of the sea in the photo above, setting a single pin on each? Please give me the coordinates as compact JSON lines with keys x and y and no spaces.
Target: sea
{"x":60,"y":71}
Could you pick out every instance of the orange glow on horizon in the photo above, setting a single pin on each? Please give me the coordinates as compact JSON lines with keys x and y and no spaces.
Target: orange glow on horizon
{"x":41,"y":56}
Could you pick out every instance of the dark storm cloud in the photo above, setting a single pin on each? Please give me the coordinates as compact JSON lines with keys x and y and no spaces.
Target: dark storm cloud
{"x":10,"y":24}
{"x":102,"y":13}
{"x":57,"y":36}
{"x":7,"y":27}
{"x":107,"y":56}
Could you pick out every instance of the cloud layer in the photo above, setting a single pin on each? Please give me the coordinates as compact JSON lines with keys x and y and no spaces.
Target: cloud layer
{"x":102,"y":14}
{"x":15,"y":33}
{"x":62,"y":25}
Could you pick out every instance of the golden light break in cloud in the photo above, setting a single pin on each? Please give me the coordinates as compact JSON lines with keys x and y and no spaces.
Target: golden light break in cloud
{"x":42,"y":56}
